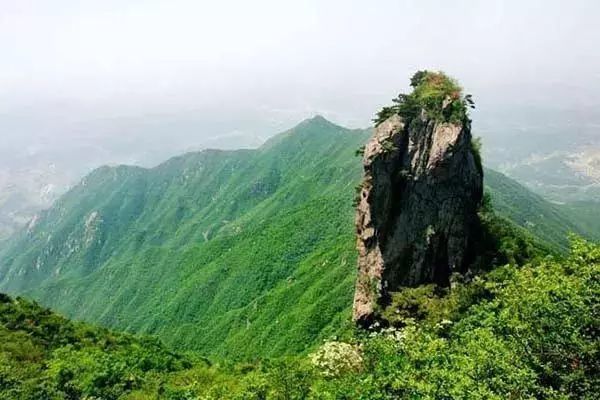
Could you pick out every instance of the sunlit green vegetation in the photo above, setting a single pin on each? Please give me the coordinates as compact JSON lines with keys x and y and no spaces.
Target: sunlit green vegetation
{"x":45,"y":356}
{"x":247,"y":258}
{"x":520,"y":332}
{"x":236,"y":255}
{"x":517,"y":332}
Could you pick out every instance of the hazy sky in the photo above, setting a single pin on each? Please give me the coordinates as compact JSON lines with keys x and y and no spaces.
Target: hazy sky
{"x":263,"y":64}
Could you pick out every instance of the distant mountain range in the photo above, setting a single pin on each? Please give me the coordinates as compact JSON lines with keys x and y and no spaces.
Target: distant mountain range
{"x":36,"y":169}
{"x":554,"y":152}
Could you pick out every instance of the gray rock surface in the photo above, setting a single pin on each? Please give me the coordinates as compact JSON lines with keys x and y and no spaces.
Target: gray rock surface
{"x":416,"y":218}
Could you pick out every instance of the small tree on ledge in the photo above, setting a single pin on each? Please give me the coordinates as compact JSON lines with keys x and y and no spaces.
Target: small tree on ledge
{"x":438,"y":95}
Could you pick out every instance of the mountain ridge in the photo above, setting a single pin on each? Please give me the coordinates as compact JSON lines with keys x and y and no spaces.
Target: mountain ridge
{"x":214,"y":251}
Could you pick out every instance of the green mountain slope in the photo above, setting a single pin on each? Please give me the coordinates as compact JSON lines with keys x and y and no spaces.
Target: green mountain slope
{"x":214,"y":250}
{"x":587,"y":216}
{"x":549,"y":222}
{"x":237,"y":254}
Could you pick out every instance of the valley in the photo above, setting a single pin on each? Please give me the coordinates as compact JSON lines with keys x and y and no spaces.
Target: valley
{"x":557,"y":152}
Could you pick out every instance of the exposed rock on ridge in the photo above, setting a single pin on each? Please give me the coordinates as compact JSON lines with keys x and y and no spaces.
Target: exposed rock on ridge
{"x":416,"y":218}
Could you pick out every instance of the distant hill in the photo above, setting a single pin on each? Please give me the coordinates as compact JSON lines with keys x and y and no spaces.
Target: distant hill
{"x":548,"y":221}
{"x":232,"y":253}
{"x":554,"y":152}
{"x":40,"y":161}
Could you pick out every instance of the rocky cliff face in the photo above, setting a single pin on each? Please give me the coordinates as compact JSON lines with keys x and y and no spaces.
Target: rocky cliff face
{"x":416,"y":218}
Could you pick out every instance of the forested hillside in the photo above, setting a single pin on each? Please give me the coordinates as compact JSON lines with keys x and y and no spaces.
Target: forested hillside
{"x":518,"y":332}
{"x":45,"y":356}
{"x":231,"y":253}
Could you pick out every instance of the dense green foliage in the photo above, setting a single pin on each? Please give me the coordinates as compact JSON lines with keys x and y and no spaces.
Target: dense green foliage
{"x":516,"y":332}
{"x":434,"y":93}
{"x":529,"y":332}
{"x":44,"y":356}
{"x":238,"y":254}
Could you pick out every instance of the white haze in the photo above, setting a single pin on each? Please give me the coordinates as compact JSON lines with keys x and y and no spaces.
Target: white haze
{"x":260,"y":65}
{"x":83,"y":83}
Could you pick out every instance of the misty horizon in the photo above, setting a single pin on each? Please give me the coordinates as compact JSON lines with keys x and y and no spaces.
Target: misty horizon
{"x":261,"y":67}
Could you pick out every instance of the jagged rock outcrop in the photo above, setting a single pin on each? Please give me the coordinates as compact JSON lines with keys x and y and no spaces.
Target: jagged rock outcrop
{"x":416,"y":218}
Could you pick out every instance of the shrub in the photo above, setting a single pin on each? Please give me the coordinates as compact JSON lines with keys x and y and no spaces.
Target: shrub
{"x":337,"y":358}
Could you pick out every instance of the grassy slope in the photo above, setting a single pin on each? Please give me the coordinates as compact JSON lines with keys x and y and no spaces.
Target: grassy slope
{"x":231,"y":253}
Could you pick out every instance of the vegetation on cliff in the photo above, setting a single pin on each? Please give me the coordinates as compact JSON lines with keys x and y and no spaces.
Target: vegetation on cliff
{"x":436,"y":94}
{"x":436,"y":97}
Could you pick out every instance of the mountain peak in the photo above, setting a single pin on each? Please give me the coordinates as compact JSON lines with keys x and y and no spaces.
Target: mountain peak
{"x":315,"y":128}
{"x":318,"y":120}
